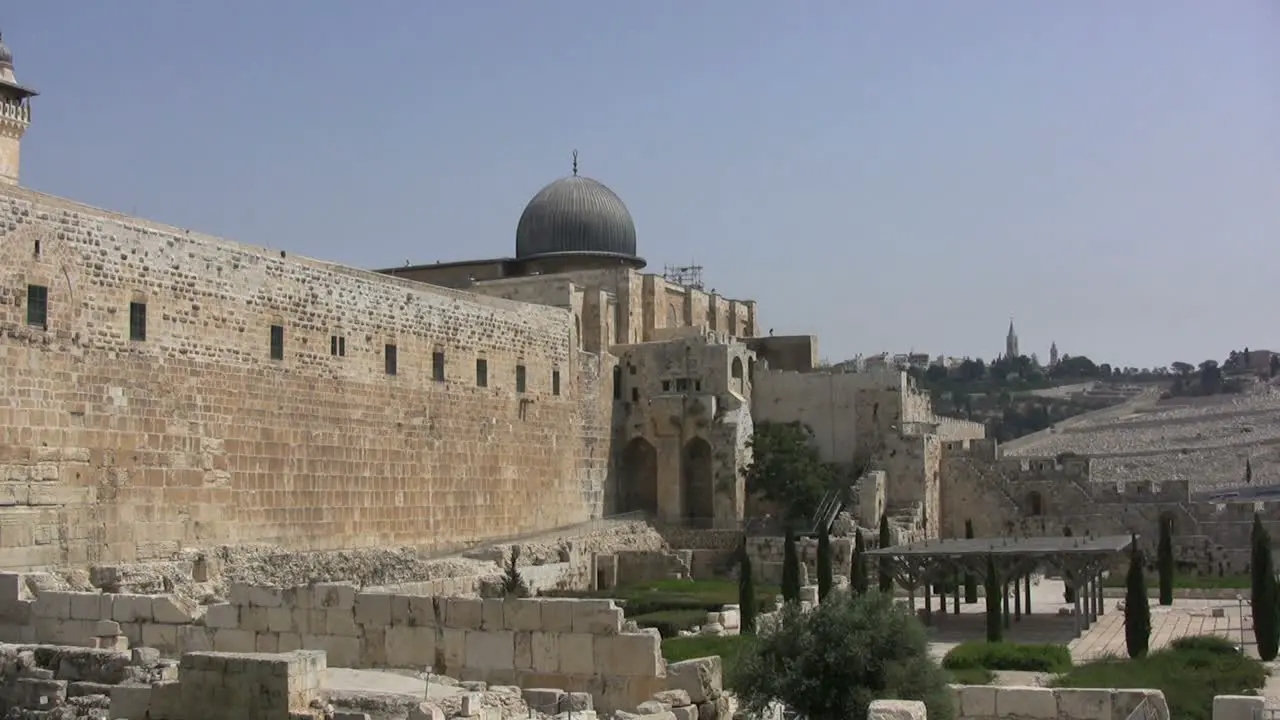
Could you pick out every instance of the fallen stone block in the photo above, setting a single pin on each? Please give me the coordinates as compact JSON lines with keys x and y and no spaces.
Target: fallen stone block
{"x":170,"y":609}
{"x":701,"y":678}
{"x":426,"y":711}
{"x":673,"y":698}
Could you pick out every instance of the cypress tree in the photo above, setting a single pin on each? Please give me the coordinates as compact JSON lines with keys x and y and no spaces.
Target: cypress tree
{"x":995,"y":623}
{"x":1068,"y":592}
{"x":826,"y":577}
{"x":746,"y":593}
{"x":970,"y":579}
{"x":858,"y":581}
{"x":885,"y":568}
{"x":1137,"y":612}
{"x":1164,"y":561}
{"x":790,"y":569}
{"x":1263,"y":595}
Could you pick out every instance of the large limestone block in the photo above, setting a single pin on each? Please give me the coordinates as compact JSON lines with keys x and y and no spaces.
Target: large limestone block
{"x":557,"y":614}
{"x":522,"y":614}
{"x":577,"y":653}
{"x":52,"y":604}
{"x":373,"y":609}
{"x":491,"y":613}
{"x":491,"y":650}
{"x":234,"y":641}
{"x":426,"y":711}
{"x":544,"y":651}
{"x":896,"y":710}
{"x":128,"y":608}
{"x":599,"y":617}
{"x":1238,"y":707}
{"x":451,"y":646}
{"x":410,"y":647}
{"x":464,"y":613}
{"x":222,"y":615}
{"x":86,"y":606}
{"x":340,"y":621}
{"x":975,"y":701}
{"x":342,"y":651}
{"x":702,"y":678}
{"x":1084,"y":703}
{"x":333,"y":596}
{"x":1026,"y":702}
{"x":173,"y":610}
{"x":629,"y":654}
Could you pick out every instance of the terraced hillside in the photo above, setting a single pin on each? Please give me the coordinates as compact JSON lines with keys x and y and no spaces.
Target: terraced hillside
{"x":1203,"y":440}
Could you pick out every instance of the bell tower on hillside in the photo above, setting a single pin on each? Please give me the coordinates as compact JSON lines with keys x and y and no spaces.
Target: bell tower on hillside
{"x":15,"y":117}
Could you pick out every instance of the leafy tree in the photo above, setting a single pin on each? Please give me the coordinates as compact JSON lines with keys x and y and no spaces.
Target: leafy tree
{"x":970,"y":579}
{"x":1275,"y":365}
{"x":885,"y":564}
{"x":826,"y":578}
{"x":995,"y":626}
{"x":513,"y":583}
{"x":1181,"y":368}
{"x":1137,"y":612}
{"x":858,"y":580}
{"x":746,"y":592}
{"x":785,"y":469}
{"x":831,"y":663}
{"x":1164,"y":561}
{"x":1263,"y":595}
{"x":790,"y":568}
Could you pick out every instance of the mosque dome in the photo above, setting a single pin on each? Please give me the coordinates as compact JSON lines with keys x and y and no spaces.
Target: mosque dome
{"x":576,"y":216}
{"x":6,"y":56}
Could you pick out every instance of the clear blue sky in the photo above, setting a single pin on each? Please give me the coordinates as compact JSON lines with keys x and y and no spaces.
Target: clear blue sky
{"x":887,"y":175}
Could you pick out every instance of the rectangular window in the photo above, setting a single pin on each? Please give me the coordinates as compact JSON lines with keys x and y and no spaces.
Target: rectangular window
{"x":337,"y":346}
{"x":682,"y":384}
{"x":555,"y":382}
{"x":137,"y":321}
{"x":38,"y":306}
{"x":617,"y":382}
{"x":437,"y":366}
{"x":389,"y":354}
{"x":666,"y":386}
{"x":277,"y":342}
{"x":482,"y":373}
{"x":520,"y":379}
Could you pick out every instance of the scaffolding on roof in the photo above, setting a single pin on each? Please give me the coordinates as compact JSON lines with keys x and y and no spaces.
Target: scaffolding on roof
{"x":689,"y":276}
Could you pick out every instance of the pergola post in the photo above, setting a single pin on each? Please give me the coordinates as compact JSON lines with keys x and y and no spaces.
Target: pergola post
{"x":958,"y":577}
{"x":1027,"y":582}
{"x":1102,"y":599}
{"x":1017,"y":598}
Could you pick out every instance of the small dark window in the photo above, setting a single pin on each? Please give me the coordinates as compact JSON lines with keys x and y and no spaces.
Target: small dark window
{"x":38,"y":306}
{"x":390,"y":354}
{"x":666,"y":386}
{"x":137,"y":321}
{"x":555,"y":382}
{"x":697,"y":386}
{"x":631,"y":369}
{"x":437,"y":366}
{"x":337,"y":346}
{"x":36,"y":249}
{"x":277,"y":342}
{"x":635,"y":394}
{"x":520,"y":378}
{"x":617,"y":382}
{"x":482,"y":373}
{"x":682,"y":385}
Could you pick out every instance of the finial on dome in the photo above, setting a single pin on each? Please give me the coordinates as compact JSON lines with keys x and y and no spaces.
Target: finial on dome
{"x":575,"y":163}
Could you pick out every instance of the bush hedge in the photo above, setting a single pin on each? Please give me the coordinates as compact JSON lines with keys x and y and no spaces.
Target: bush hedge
{"x":1189,"y":674}
{"x":670,"y":622}
{"x":1044,"y":658}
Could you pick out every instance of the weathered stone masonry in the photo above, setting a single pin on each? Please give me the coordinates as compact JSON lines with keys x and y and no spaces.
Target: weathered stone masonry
{"x":114,"y":449}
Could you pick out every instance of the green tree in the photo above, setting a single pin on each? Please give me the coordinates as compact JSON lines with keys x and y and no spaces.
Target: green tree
{"x":1263,"y":594}
{"x":1068,"y":591}
{"x":790,"y":568}
{"x":746,"y":592}
{"x":1137,"y":611}
{"x":885,"y":566}
{"x":786,"y":470}
{"x":858,"y":572}
{"x":826,"y":578}
{"x":831,"y":663}
{"x":1164,"y":561}
{"x":995,"y":627}
{"x":970,"y":579}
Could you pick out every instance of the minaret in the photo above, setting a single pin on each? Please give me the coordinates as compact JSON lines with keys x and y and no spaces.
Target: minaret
{"x":1011,"y":342}
{"x":15,"y":117}
{"x":1053,"y":354}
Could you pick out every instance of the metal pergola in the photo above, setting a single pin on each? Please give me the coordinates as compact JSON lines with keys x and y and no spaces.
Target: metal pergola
{"x":1079,"y":560}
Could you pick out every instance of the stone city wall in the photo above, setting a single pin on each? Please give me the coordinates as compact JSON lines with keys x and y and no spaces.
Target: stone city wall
{"x":36,"y":680}
{"x":986,"y":702}
{"x":577,"y":645}
{"x":147,"y":411}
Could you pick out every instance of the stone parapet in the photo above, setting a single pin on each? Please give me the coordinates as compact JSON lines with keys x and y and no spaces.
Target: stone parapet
{"x":986,"y":702}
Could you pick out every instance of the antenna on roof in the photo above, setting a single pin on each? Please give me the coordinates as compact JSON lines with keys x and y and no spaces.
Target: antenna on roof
{"x":575,"y":163}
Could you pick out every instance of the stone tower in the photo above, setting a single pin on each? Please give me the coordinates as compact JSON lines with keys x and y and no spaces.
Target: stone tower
{"x":1011,"y":342}
{"x":15,"y":117}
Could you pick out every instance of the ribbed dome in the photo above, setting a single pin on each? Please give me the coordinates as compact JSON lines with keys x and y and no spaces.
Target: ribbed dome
{"x":6,"y":57}
{"x":575,"y":215}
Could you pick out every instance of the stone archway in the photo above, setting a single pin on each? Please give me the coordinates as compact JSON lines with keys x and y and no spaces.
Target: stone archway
{"x":735,"y":370}
{"x":698,"y":483}
{"x":640,"y":477}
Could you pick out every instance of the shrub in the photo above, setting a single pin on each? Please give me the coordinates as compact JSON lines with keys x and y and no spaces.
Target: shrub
{"x":1212,"y":644}
{"x":669,"y":623}
{"x":513,"y":583}
{"x":859,"y":565}
{"x":833,"y":661}
{"x":1264,"y":596}
{"x":1189,"y":679}
{"x":971,"y":676}
{"x":886,"y":577}
{"x":1046,"y":658}
{"x":790,"y":568}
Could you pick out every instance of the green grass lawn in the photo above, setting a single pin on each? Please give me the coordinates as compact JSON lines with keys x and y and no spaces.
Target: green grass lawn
{"x":669,"y":595}
{"x":728,"y":647}
{"x":1189,"y":676}
{"x":1196,"y":582}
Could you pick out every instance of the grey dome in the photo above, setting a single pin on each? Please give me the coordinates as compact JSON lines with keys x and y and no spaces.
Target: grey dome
{"x":6,"y":57}
{"x":575,"y":215}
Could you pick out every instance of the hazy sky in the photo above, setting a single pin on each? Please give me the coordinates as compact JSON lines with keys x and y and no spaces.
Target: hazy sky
{"x":886,"y":175}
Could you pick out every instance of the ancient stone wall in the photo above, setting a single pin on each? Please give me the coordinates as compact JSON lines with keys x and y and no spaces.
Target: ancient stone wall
{"x":577,"y":645}
{"x":169,"y":389}
{"x":986,"y":702}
